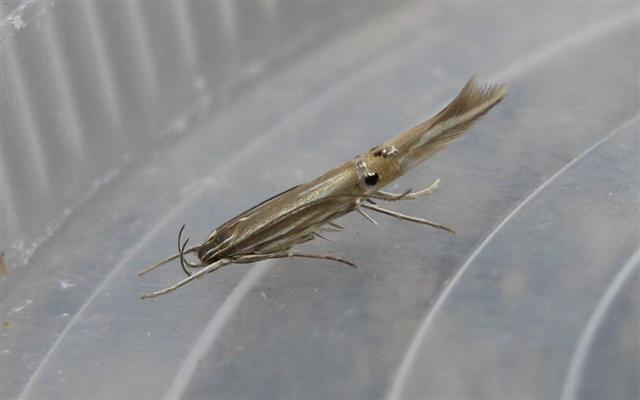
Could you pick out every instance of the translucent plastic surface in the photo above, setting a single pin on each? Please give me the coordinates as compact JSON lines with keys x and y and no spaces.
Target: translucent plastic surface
{"x":537,"y":296}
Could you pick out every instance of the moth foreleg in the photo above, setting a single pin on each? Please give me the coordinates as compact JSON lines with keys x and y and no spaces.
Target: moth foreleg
{"x":409,"y":195}
{"x":407,"y":217}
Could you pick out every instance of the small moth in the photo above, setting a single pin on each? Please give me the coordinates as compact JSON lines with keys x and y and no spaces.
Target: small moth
{"x":272,"y":228}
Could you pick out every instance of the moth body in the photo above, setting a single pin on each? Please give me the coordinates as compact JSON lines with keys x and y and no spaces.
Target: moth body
{"x":272,"y":228}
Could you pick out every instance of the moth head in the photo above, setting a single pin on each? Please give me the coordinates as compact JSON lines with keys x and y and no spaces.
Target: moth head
{"x":377,"y":167}
{"x":368,"y":178}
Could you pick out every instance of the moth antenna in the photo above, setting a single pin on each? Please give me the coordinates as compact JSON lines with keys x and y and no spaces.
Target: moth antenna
{"x":168,"y":259}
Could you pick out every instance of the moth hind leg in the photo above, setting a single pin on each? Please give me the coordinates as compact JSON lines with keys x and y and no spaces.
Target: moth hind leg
{"x":322,"y":257}
{"x":290,"y":254}
{"x":205,"y":270}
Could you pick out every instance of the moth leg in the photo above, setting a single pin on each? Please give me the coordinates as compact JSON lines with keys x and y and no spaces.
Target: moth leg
{"x":331,"y":227}
{"x":290,"y":254}
{"x":408,"y":217}
{"x":328,"y":229}
{"x":321,"y":257}
{"x":337,"y":226}
{"x":323,"y":237}
{"x":209,"y":268}
{"x":408,"y":195}
{"x":366,"y":216}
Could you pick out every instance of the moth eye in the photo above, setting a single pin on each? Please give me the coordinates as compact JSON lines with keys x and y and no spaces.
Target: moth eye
{"x":372,"y":179}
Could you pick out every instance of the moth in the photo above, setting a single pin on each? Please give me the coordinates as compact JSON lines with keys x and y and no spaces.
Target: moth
{"x":272,"y":228}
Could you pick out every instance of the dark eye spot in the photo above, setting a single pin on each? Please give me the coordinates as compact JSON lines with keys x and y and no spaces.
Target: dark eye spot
{"x":372,"y":179}
{"x":379,"y":153}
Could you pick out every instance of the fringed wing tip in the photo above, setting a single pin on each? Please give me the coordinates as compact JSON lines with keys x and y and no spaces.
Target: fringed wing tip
{"x":474,"y":94}
{"x":473,"y":101}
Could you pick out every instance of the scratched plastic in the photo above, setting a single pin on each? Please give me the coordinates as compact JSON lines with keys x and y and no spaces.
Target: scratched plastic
{"x":122,"y":121}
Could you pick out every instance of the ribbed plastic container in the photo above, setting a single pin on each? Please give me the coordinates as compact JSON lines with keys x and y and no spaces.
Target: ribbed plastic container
{"x":120,"y":121}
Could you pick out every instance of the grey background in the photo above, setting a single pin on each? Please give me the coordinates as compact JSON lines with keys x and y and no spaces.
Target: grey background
{"x":121,"y":121}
